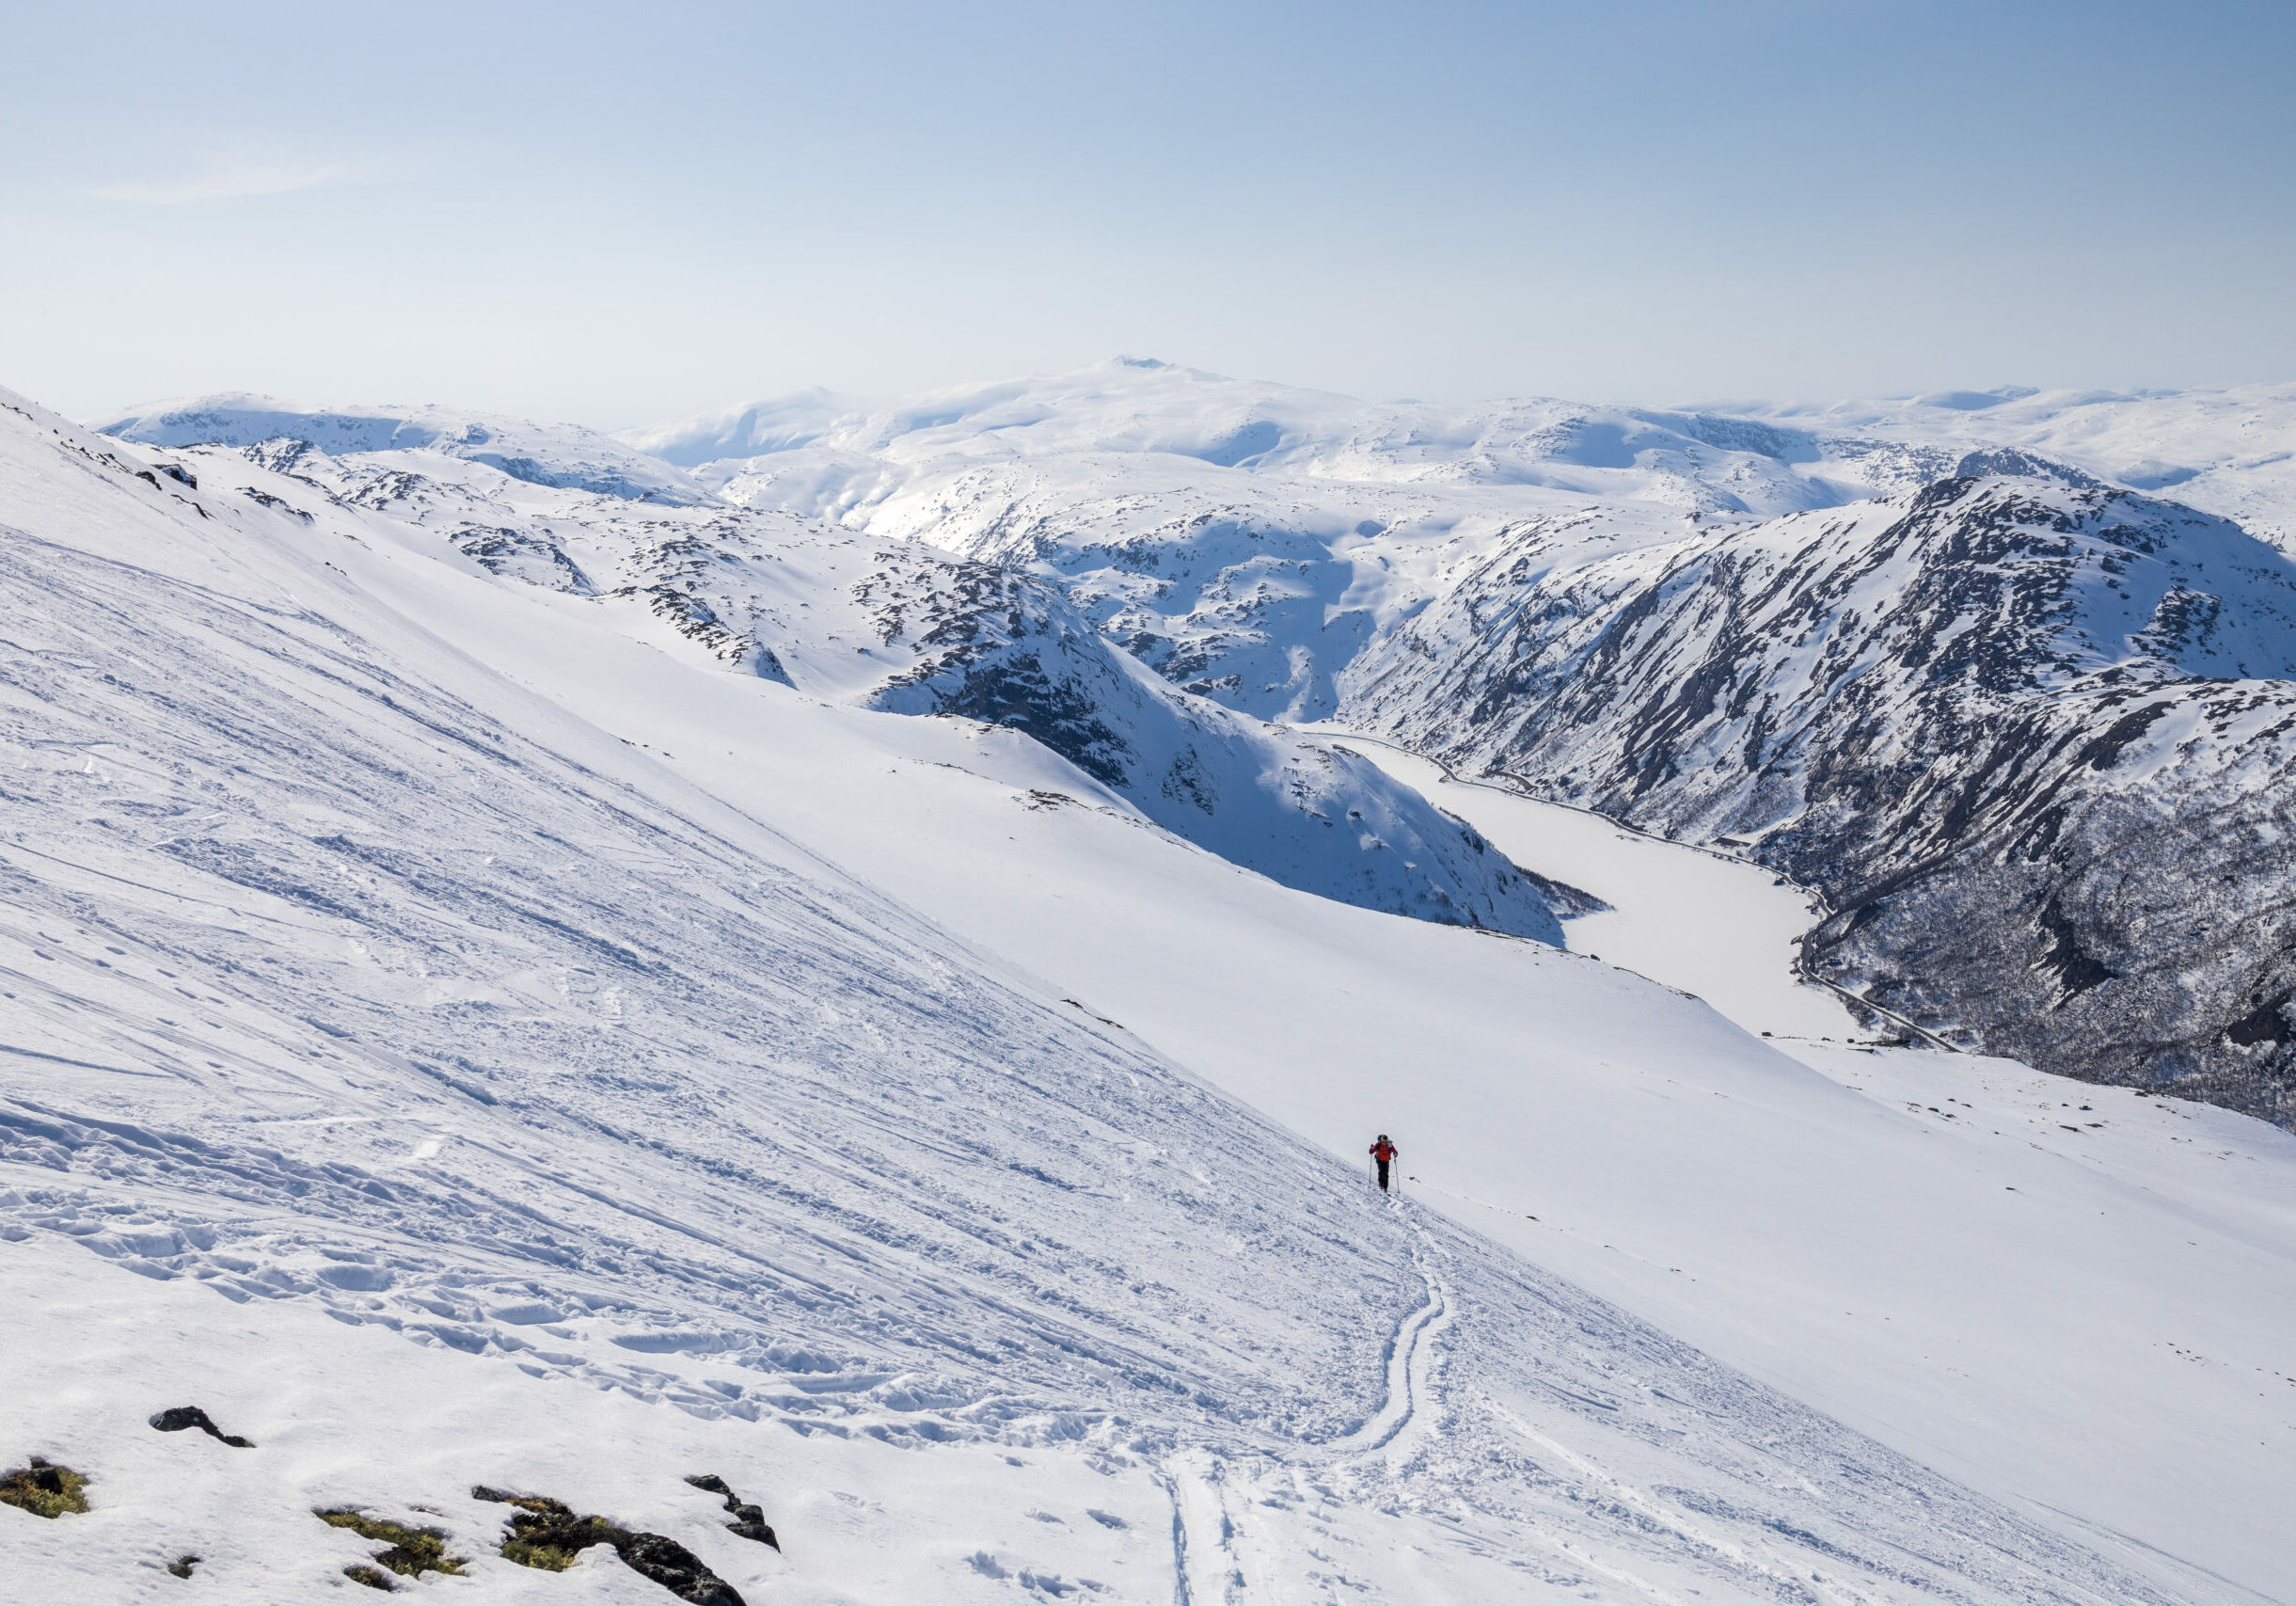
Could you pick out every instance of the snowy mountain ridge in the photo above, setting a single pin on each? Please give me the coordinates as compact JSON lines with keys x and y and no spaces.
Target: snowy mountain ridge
{"x":543,"y":455}
{"x":901,"y":628}
{"x":2031,"y":734}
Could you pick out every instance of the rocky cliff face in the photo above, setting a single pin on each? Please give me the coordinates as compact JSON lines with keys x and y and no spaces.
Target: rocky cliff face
{"x":2032,"y":736}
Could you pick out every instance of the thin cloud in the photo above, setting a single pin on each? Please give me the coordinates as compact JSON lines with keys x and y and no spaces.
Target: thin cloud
{"x":224,"y":179}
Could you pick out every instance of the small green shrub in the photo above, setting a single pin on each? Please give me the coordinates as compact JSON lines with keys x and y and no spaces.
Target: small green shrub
{"x":44,"y":1489}
{"x":529,"y":1553}
{"x":546,"y":1532}
{"x":413,"y":1551}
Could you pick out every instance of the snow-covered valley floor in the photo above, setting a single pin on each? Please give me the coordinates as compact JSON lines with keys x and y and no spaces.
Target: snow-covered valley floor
{"x":457,"y":1035}
{"x":1721,"y":928}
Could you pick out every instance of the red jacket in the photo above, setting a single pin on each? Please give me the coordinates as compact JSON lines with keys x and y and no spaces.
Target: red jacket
{"x":1383,"y":1150}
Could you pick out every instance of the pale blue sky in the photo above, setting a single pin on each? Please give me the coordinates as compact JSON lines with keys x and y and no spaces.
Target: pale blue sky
{"x":626,"y":213}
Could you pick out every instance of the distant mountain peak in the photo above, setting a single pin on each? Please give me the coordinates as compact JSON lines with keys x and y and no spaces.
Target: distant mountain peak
{"x":557,"y":456}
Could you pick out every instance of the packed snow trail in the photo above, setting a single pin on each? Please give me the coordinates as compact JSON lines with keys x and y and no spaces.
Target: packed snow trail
{"x":1431,"y":1316}
{"x":1207,"y":1563}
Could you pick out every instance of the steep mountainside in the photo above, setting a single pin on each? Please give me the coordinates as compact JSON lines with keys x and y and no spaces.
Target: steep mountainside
{"x":1300,"y":557}
{"x":905,"y":629}
{"x":1925,"y":728}
{"x":2033,"y":735}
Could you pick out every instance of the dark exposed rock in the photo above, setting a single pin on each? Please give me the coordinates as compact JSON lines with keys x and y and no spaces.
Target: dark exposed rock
{"x":176,"y":1418}
{"x":676,"y":1569}
{"x":999,"y":645}
{"x":181,"y":1566}
{"x":1567,"y":901}
{"x":2030,"y":465}
{"x":749,"y":1522}
{"x":503,"y":550}
{"x":547,"y":1534}
{"x":2266,"y":1025}
{"x":281,"y":453}
{"x":276,"y":504}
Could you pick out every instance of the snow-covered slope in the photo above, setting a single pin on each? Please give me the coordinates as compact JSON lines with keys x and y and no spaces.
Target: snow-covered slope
{"x":1307,"y":557}
{"x":905,"y":627}
{"x":1982,"y":1286}
{"x":349,"y":975}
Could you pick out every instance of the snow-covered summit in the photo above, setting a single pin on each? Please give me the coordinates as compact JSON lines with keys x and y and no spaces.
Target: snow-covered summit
{"x":2230,"y":451}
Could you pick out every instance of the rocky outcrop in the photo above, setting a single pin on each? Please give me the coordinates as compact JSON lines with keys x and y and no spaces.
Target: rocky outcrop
{"x":749,"y":1520}
{"x":2031,"y":735}
{"x":176,"y":1418}
{"x":546,"y":1532}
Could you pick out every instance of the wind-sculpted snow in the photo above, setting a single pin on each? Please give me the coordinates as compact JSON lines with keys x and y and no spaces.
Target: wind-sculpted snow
{"x":342,"y":973}
{"x":543,"y":455}
{"x":2032,"y":735}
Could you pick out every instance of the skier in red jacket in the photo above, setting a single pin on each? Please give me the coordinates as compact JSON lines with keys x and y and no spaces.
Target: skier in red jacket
{"x":1384,"y":1152}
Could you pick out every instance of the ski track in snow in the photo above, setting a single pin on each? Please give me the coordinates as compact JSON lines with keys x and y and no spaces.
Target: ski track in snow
{"x":1417,"y":1328}
{"x":1206,"y":1564}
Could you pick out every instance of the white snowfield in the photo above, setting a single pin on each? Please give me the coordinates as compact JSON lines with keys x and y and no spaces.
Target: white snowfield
{"x":902,"y":627}
{"x":2230,"y":451}
{"x":459,"y":1032}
